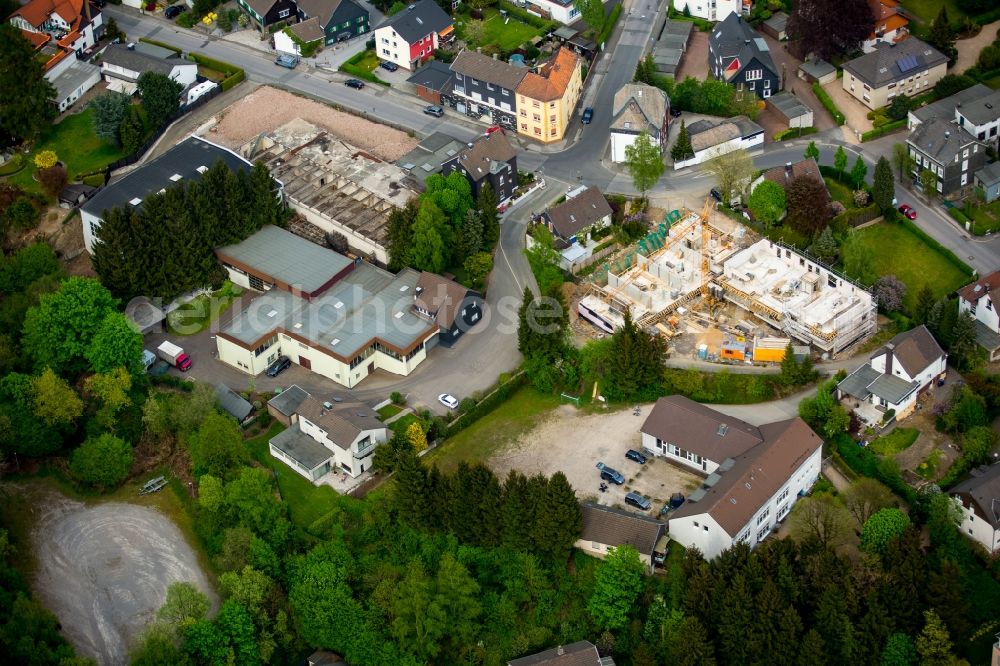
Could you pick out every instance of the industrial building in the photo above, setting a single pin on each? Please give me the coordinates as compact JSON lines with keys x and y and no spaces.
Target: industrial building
{"x":793,"y":293}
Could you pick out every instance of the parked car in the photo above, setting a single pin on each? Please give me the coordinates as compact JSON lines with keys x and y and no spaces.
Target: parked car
{"x":286,"y":60}
{"x":448,"y":400}
{"x":716,"y":194}
{"x":632,"y":454}
{"x":908,"y":212}
{"x":354,"y":83}
{"x":388,"y":66}
{"x":588,"y":115}
{"x":279,"y":366}
{"x":609,"y":474}
{"x":638,"y":501}
{"x":675,"y":112}
{"x":173,"y":11}
{"x":435,"y":111}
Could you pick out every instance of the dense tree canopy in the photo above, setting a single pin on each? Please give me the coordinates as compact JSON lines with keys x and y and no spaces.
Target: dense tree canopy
{"x":831,"y":27}
{"x":27,"y":99}
{"x":644,"y":161}
{"x":767,"y":203}
{"x":102,"y":461}
{"x":160,"y":97}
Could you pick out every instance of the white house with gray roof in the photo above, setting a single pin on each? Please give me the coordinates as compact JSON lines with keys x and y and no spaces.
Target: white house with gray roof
{"x":910,"y":67}
{"x":978,"y":499}
{"x":340,"y":318}
{"x":944,"y":109}
{"x":713,"y":138}
{"x":326,"y":436}
{"x":123,"y":64}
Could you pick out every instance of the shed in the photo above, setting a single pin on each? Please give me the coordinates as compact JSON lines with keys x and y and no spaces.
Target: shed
{"x":285,"y":404}
{"x":987,"y":181}
{"x":776,"y":26}
{"x":232,"y":402}
{"x":146,"y":315}
{"x":817,"y":71}
{"x":75,"y":194}
{"x":789,"y":107}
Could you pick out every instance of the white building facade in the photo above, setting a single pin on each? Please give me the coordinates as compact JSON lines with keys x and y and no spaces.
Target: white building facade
{"x":710,"y":10}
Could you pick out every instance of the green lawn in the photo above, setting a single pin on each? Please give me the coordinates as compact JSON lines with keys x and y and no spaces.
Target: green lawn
{"x":927,"y":10}
{"x":368,"y":61}
{"x":74,"y":141}
{"x":898,"y":440}
{"x":840,"y":192}
{"x":506,"y":423}
{"x":506,"y":34}
{"x":195,"y":315}
{"x":306,"y":502}
{"x":986,"y":218}
{"x":911,"y":260}
{"x":389,"y":411}
{"x":400,"y":425}
{"x":993,"y":83}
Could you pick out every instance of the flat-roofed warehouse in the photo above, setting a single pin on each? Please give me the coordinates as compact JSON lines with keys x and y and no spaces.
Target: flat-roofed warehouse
{"x":335,"y":186}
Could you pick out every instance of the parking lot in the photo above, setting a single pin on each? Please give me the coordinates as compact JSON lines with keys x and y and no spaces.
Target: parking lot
{"x":573,"y":443}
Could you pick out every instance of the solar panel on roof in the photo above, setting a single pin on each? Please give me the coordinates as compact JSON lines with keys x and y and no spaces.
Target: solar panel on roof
{"x":906,"y":63}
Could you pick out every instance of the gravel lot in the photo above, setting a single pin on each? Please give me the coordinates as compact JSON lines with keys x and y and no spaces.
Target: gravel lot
{"x":573,"y":444}
{"x":104,"y":570}
{"x":268,"y":108}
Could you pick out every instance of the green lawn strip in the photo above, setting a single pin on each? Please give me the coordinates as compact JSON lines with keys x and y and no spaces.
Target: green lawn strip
{"x":985,"y":218}
{"x":196,"y":315}
{"x":993,"y":83}
{"x":389,"y":411}
{"x":840,"y":192}
{"x":78,"y":148}
{"x":502,"y":426}
{"x":400,"y":426}
{"x":912,"y":261}
{"x":896,"y":441}
{"x":306,"y":502}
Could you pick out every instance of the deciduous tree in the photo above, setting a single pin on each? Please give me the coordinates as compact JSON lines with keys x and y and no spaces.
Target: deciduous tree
{"x":116,"y":344}
{"x":767,"y":203}
{"x":53,"y":179}
{"x":858,"y":172}
{"x":616,"y":588}
{"x":544,"y":260}
{"x":400,"y":234}
{"x":809,"y":22}
{"x":865,"y":497}
{"x":27,"y":99}
{"x":902,"y":160}
{"x":593,"y":14}
{"x":934,"y":643}
{"x":883,"y":526}
{"x":55,"y":401}
{"x":643,"y":158}
{"x":822,"y":519}
{"x":840,"y":161}
{"x":486,"y":205}
{"x":102,"y":461}
{"x":928,"y":181}
{"x":217,"y":447}
{"x":110,"y":110}
{"x":808,"y":209}
{"x":812,"y":151}
{"x":430,"y":231}
{"x":416,"y":436}
{"x":733,"y":172}
{"x":889,"y":293}
{"x":859,"y":258}
{"x":478,"y":267}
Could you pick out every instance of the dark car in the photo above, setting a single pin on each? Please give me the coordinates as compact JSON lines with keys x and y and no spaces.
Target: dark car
{"x":588,"y":115}
{"x":354,"y":83}
{"x":675,"y":112}
{"x":638,"y":501}
{"x":716,"y":194}
{"x":435,"y":111}
{"x":279,"y":366}
{"x":612,"y":475}
{"x":388,"y":66}
{"x":632,"y":454}
{"x":173,"y":11}
{"x":908,"y":212}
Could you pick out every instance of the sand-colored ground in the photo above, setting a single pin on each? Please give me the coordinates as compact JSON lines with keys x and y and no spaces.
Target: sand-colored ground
{"x":268,"y":108}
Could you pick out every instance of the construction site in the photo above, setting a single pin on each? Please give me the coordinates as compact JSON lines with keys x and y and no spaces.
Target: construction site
{"x":713,"y":290}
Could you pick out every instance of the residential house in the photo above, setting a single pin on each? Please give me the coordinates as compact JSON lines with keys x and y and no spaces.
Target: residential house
{"x":604,"y":528}
{"x":741,"y":57}
{"x":336,"y":436}
{"x":980,"y":300}
{"x":434,"y":82}
{"x":891,"y":25}
{"x":980,"y":117}
{"x":59,"y":31}
{"x":486,"y":87}
{"x":284,"y":406}
{"x":713,"y":138}
{"x":910,"y":67}
{"x":340,"y":20}
{"x":784,"y":175}
{"x":564,"y":11}
{"x":409,"y":37}
{"x":309,"y":32}
{"x":978,"y":499}
{"x":710,"y":10}
{"x":946,"y":109}
{"x":987,"y":182}
{"x":340,"y":318}
{"x":581,"y":653}
{"x":233,"y":403}
{"x":638,"y":108}
{"x":263,"y":13}
{"x":187,"y":160}
{"x":546,"y":99}
{"x":949,"y":151}
{"x":428,"y":156}
{"x":895,"y":376}
{"x":754,"y":474}
{"x":574,"y":219}
{"x":490,"y":159}
{"x":454,"y":308}
{"x":123,"y":64}
{"x":791,"y":109}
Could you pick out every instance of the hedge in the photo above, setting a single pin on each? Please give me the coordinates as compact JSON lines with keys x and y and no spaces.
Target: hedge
{"x":701,"y":24}
{"x":988,"y":16}
{"x":864,"y":462}
{"x":521,"y":15}
{"x":857,"y":216}
{"x":958,"y":216}
{"x":354,"y":70}
{"x":609,"y":25}
{"x":490,"y":402}
{"x":941,"y":249}
{"x":164,"y":45}
{"x":888,"y":128}
{"x":827,"y":102}
{"x":794,"y":133}
{"x":233,"y":73}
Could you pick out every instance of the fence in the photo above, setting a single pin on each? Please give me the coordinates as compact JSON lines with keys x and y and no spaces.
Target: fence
{"x":593,"y":259}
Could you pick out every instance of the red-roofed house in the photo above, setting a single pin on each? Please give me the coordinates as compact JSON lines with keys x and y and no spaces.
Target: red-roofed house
{"x":891,"y":25}
{"x":980,"y":300}
{"x":545,"y":101}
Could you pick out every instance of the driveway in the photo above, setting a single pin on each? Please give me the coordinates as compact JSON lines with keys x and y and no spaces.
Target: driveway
{"x":788,"y":67}
{"x":695,"y":60}
{"x":855,"y":113}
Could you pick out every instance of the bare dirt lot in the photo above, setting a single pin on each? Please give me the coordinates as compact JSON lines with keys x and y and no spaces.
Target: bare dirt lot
{"x":104,"y":570}
{"x":573,"y":444}
{"x":268,"y":108}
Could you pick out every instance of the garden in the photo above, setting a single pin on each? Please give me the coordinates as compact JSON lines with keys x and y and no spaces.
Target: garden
{"x":985,"y":218}
{"x":505,"y":33}
{"x":362,"y":65}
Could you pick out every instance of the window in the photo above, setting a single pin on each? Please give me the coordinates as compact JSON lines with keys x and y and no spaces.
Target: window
{"x":783,"y":495}
{"x":754,"y":75}
{"x":762,"y":517}
{"x":553,"y":131}
{"x":535,"y":104}
{"x":489,"y":86}
{"x":705,"y":527}
{"x":538,"y":131}
{"x":284,"y":12}
{"x":524,"y":126}
{"x":271,"y":341}
{"x":696,"y":524}
{"x":524,"y":114}
{"x":537,"y":118}
{"x":552,"y":119}
{"x":763,"y":533}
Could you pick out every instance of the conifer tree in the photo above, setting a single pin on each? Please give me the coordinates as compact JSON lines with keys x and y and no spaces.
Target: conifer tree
{"x":682,"y":148}
{"x":558,"y":525}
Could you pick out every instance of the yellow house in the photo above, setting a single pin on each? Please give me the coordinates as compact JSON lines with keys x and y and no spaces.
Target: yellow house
{"x":545,"y":101}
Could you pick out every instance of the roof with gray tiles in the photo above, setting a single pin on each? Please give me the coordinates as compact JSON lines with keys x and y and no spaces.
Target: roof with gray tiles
{"x":894,"y":62}
{"x":940,"y":140}
{"x":301,"y":448}
{"x":945,"y":108}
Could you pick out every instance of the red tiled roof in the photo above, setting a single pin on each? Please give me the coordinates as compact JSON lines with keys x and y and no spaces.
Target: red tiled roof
{"x":984,"y":285}
{"x":37,"y":12}
{"x":553,"y":78}
{"x":37,"y":39}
